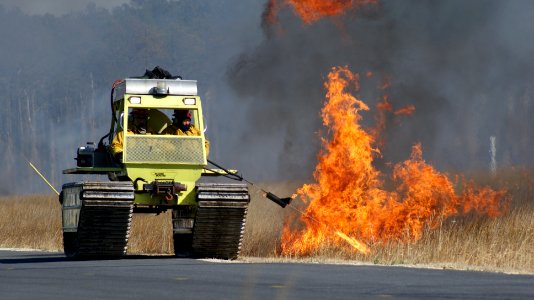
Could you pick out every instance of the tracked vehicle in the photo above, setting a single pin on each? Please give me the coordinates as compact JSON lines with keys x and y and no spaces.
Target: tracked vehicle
{"x":157,"y":172}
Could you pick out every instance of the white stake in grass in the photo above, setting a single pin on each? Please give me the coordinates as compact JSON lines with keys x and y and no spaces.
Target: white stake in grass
{"x":493,"y":152}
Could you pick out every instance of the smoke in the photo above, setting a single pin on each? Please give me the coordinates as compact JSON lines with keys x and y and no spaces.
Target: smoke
{"x":466,"y":66}
{"x":59,"y":7}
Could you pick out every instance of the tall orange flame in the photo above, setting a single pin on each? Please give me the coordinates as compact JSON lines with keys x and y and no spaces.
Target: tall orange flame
{"x":313,"y":10}
{"x":348,"y":200}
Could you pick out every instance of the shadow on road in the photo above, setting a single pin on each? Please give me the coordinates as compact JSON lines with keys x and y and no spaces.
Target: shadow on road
{"x":33,"y":259}
{"x":47,"y":258}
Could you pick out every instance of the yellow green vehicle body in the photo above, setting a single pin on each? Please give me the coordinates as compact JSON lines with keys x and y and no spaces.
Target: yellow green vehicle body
{"x":160,"y":157}
{"x":155,"y":158}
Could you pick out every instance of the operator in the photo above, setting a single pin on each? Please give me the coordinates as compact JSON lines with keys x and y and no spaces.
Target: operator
{"x":181,"y":125}
{"x":138,"y":125}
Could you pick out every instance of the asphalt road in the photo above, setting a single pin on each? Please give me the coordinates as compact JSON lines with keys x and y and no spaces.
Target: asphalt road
{"x":41,"y":275}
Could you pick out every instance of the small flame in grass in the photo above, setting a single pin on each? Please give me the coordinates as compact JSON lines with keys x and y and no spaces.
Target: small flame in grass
{"x":354,"y":243}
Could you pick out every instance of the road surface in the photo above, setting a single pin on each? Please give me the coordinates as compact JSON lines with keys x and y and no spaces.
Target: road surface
{"x":42,"y":275}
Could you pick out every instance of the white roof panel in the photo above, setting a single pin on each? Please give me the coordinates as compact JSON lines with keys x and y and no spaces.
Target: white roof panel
{"x":148,"y":86}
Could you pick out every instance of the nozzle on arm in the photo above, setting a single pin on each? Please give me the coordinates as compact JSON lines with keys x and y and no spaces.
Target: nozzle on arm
{"x":283,"y":202}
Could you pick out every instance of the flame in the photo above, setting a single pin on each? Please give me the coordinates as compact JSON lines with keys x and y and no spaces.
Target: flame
{"x":408,"y":110}
{"x":269,"y":15}
{"x":348,"y":194}
{"x":354,"y":243}
{"x":313,"y":10}
{"x":384,"y":105}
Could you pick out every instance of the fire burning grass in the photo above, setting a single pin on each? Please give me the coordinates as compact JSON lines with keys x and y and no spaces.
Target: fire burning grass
{"x":468,"y":241}
{"x":349,"y":196}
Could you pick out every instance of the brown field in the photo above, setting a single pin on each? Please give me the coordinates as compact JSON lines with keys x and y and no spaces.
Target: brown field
{"x":500,"y":244}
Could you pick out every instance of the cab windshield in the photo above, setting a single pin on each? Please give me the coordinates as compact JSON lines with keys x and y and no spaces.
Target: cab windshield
{"x":161,"y":120}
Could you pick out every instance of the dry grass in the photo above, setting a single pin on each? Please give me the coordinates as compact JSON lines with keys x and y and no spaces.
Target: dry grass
{"x":501,"y":244}
{"x":151,"y":234}
{"x":265,"y":221}
{"x":34,"y":222}
{"x":31,"y":222}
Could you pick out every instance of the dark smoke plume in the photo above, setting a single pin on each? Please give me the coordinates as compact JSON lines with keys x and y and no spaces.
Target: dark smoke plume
{"x":466,"y":66}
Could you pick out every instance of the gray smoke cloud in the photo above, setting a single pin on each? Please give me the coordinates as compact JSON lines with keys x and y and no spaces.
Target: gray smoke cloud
{"x":465,"y":65}
{"x":59,"y":7}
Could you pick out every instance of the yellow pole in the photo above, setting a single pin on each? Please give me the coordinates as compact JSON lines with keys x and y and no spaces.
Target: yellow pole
{"x":39,"y":173}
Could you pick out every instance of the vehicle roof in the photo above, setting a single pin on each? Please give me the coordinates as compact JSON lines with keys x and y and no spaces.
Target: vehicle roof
{"x":148,"y":87}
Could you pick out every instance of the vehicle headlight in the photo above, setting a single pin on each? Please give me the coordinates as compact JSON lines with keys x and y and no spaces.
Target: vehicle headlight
{"x":190,"y":101}
{"x":135,"y":100}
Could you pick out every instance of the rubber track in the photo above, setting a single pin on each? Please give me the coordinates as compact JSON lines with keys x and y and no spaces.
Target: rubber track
{"x":220,"y":220}
{"x":105,"y":219}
